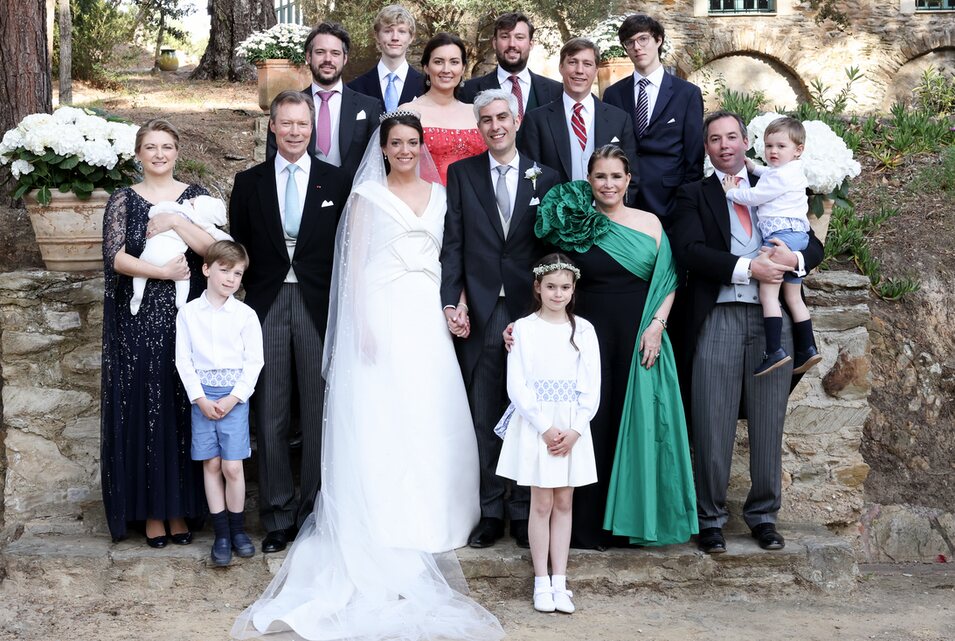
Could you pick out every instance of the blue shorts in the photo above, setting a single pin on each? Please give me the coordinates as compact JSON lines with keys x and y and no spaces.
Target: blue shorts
{"x":794,"y":240}
{"x":228,"y":437}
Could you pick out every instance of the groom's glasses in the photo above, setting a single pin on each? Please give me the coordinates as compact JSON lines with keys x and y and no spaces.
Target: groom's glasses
{"x":643,"y":40}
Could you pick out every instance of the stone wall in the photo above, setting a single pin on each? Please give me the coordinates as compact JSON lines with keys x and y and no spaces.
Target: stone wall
{"x":880,"y":38}
{"x":51,"y":335}
{"x":51,"y":338}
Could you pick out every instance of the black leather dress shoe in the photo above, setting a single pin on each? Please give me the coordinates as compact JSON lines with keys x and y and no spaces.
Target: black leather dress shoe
{"x":519,"y":532}
{"x":767,"y":537}
{"x":275,"y":541}
{"x":772,"y":361}
{"x":157,"y":541}
{"x":711,"y":541}
{"x":806,"y":360}
{"x":486,"y":533}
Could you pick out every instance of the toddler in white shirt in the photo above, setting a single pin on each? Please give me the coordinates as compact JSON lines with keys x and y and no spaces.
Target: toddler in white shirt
{"x":780,"y":196}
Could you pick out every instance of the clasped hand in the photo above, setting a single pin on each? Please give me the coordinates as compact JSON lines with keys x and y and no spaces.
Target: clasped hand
{"x":177,"y":268}
{"x":458,"y":322}
{"x":773,"y":262}
{"x":215,"y":410}
{"x":559,"y":443}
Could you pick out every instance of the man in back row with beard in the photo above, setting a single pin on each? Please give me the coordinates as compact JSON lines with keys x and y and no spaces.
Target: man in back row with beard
{"x":513,"y":41}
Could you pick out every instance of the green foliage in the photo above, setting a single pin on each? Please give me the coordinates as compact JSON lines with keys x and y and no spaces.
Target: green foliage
{"x":935,"y":92}
{"x":906,"y":132}
{"x":99,"y":28}
{"x":745,"y":104}
{"x":848,"y":236}
{"x":938,"y":177}
{"x":834,"y":106}
{"x":190,"y":170}
{"x":829,"y":10}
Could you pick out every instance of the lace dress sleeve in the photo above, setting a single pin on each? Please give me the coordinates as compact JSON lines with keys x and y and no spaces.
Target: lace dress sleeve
{"x":114,"y":235}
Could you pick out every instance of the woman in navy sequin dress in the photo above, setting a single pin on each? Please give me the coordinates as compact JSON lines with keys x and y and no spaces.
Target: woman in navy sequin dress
{"x":147,"y":474}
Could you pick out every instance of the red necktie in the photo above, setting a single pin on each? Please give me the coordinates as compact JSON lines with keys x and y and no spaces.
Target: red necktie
{"x":577,"y":122}
{"x":742,"y":212}
{"x":516,"y":90}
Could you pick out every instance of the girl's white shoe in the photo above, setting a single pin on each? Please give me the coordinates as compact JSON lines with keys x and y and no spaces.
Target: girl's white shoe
{"x":562,"y":601}
{"x":544,"y":600}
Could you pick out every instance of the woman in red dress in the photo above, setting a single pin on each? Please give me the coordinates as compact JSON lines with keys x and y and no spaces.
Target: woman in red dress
{"x":450,"y":128}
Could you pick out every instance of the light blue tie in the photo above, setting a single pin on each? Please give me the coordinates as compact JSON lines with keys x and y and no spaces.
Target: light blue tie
{"x":293,"y":213}
{"x":391,"y":93}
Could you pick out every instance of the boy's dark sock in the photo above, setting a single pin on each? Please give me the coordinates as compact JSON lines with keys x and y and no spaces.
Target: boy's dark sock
{"x":236,"y":523}
{"x":802,"y":335}
{"x":774,"y":331}
{"x":220,"y":524}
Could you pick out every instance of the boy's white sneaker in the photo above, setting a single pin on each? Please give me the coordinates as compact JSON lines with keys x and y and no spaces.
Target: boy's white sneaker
{"x":562,"y":601}
{"x":544,"y":600}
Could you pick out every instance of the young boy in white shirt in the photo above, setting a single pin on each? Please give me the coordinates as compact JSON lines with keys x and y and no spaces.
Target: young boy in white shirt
{"x":781,"y":197}
{"x":219,"y":356}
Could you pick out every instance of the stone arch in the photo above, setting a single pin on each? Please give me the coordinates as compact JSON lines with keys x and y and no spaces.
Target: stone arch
{"x":749,"y":71}
{"x":901,"y":83}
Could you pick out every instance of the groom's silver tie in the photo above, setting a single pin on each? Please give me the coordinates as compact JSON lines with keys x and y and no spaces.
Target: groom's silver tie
{"x":503,"y":197}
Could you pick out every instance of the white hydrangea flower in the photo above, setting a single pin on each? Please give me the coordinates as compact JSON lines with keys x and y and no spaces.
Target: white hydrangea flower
{"x":11,"y":140}
{"x":68,"y":115}
{"x":99,"y":153}
{"x":20,"y":168}
{"x":68,"y":140}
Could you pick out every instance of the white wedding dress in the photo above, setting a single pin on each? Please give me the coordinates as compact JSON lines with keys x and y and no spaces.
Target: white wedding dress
{"x":400,"y":476}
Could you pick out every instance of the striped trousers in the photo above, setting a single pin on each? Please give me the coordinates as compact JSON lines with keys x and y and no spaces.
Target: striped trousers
{"x":730,"y":346}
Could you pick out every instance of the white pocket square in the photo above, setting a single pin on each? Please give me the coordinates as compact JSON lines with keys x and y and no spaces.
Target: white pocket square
{"x":327,"y":203}
{"x":534,"y":201}
{"x":671,"y":121}
{"x":361,"y":115}
{"x":615,"y":139}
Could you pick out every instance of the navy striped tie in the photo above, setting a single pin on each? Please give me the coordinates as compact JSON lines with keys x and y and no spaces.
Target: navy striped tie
{"x":643,"y":108}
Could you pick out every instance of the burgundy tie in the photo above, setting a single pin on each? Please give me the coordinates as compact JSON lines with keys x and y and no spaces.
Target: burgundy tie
{"x":577,"y":122}
{"x":516,"y":90}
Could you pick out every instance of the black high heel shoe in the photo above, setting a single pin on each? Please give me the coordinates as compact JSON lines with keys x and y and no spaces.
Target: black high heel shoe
{"x":157,"y":541}
{"x":182,"y":538}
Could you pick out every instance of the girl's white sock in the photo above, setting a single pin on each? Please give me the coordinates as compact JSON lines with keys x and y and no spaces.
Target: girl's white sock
{"x":541,"y":583}
{"x":559,"y":582}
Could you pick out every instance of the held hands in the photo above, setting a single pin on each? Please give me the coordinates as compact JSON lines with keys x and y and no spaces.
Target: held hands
{"x":650,"y":344}
{"x":560,"y":443}
{"x":215,"y":410}
{"x":176,"y":268}
{"x":458,"y":322}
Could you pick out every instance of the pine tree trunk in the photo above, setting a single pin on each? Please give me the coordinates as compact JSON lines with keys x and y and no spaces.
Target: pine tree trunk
{"x":24,"y":89}
{"x":66,"y":53}
{"x":232,"y":22}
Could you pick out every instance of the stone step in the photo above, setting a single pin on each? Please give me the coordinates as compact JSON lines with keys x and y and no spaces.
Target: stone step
{"x":813,"y":559}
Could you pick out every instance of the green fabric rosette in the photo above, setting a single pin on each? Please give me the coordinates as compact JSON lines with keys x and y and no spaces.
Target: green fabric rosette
{"x":567,"y":219}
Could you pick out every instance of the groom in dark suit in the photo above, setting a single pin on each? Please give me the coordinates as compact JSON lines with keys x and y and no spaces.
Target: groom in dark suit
{"x":344,"y":119}
{"x":564,"y":133}
{"x":285,"y":212}
{"x":512,"y":42}
{"x":667,"y":115}
{"x":718,"y":244}
{"x":486,"y":259}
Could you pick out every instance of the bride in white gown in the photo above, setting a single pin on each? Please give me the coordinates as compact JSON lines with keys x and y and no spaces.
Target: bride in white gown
{"x":399,"y":457}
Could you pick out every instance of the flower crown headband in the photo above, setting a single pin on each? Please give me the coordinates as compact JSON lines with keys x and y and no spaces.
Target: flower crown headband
{"x":397,"y":113}
{"x":541,"y":270}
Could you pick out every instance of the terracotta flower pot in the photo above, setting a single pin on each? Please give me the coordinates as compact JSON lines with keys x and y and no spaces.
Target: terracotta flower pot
{"x":610,"y":71}
{"x":276,"y":76}
{"x":69,"y":231}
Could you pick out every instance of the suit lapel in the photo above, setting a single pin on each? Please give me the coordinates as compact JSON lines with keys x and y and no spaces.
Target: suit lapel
{"x":346,"y":120}
{"x":481,"y":172}
{"x":601,"y":134}
{"x":628,"y":104}
{"x":716,"y":198}
{"x":410,"y":88}
{"x":313,"y":141}
{"x":269,"y":207}
{"x":525,"y":191}
{"x":558,"y":129}
{"x":663,"y":97}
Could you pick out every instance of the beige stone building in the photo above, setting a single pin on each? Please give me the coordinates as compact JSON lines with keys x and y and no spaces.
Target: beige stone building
{"x":781,"y":46}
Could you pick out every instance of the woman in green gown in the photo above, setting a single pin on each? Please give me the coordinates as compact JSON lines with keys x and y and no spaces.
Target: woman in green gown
{"x":644,"y":494}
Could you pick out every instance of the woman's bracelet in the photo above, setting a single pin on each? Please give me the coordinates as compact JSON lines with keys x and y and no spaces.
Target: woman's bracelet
{"x":662,"y":322}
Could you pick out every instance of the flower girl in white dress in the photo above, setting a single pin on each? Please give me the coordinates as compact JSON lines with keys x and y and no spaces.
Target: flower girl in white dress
{"x":553,"y":380}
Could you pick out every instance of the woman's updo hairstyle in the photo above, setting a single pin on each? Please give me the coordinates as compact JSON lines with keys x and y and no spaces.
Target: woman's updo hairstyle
{"x":609,"y":152}
{"x":391,"y":120}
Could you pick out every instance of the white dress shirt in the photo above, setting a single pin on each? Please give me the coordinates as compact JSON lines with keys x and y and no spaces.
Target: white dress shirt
{"x":401,"y":73}
{"x":218,"y":344}
{"x":579,"y":158}
{"x":281,"y":182}
{"x":523,"y":79}
{"x":741,"y":273}
{"x":334,"y":111}
{"x":652,"y":89}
